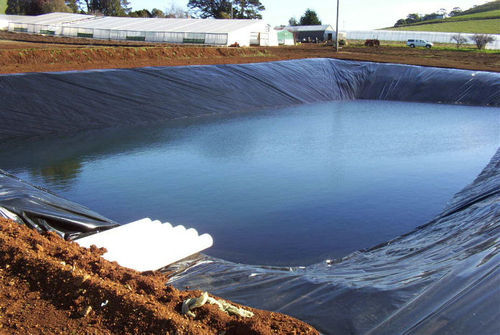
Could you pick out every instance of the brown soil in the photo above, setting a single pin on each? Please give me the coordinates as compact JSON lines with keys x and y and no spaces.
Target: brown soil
{"x":52,"y":286}
{"x":34,"y":53}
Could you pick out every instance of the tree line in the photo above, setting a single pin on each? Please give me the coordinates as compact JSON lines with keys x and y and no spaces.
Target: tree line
{"x":441,"y":14}
{"x":415,"y":17}
{"x":37,"y":7}
{"x":309,"y":18}
{"x":219,"y":9}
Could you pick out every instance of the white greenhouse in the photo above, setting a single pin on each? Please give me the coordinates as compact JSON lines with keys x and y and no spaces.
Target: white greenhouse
{"x":191,"y":31}
{"x":402,"y":36}
{"x":4,"y":20}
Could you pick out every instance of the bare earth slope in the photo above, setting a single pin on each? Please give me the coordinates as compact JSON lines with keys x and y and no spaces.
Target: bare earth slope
{"x":33,"y":53}
{"x":52,"y":286}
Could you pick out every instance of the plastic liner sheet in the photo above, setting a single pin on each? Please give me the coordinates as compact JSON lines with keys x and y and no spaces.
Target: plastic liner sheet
{"x":40,"y":209}
{"x":40,"y":103}
{"x":442,"y":278}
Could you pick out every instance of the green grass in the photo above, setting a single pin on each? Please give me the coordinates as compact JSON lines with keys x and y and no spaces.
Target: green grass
{"x":493,"y":14}
{"x":490,"y":26}
{"x":465,"y":48}
{"x":437,"y":46}
{"x":492,"y":5}
{"x":481,"y":15}
{"x":3,"y":6}
{"x":483,"y":19}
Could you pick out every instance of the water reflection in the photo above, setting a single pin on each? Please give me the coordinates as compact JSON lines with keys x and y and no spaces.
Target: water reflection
{"x":61,"y":175}
{"x":290,"y":186}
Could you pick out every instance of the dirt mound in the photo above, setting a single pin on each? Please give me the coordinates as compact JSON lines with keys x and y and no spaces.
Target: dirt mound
{"x":34,"y":53}
{"x":49,"y":285}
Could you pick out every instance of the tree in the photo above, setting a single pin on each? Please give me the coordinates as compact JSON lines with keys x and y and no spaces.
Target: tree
{"x":456,"y":11}
{"x":108,"y":7}
{"x":157,"y":13}
{"x":293,"y":22}
{"x":55,"y":6}
{"x":310,"y":18}
{"x":74,"y":5}
{"x":481,"y":40}
{"x":224,"y":9}
{"x":140,"y":13}
{"x":247,"y":9}
{"x":16,"y":7}
{"x":413,"y":18}
{"x":125,"y":5}
{"x":35,"y":7}
{"x":400,"y":22}
{"x":431,"y":16}
{"x":458,"y":39}
{"x":176,"y":12}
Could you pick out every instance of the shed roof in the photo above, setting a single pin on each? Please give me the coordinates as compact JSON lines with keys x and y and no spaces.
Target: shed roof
{"x":310,"y":28}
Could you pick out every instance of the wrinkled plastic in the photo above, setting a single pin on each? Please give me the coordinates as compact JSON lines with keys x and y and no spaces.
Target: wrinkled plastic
{"x":41,"y":103}
{"x":441,"y":278}
{"x":40,"y":209}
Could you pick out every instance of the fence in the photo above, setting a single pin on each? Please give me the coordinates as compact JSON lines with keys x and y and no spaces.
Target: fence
{"x":391,"y":35}
{"x":126,"y":35}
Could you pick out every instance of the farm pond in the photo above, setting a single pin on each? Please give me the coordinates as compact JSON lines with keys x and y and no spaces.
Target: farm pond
{"x":290,"y":186}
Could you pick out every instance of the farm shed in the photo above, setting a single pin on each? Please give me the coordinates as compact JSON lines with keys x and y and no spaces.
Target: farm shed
{"x":191,"y":31}
{"x":314,"y":33}
{"x":285,"y":37}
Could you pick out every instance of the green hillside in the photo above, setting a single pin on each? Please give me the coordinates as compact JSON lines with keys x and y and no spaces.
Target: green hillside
{"x":484,"y":19}
{"x":491,"y":26}
{"x":3,"y":6}
{"x":493,"y":5}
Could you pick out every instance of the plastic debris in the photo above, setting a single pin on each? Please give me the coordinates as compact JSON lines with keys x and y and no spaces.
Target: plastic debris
{"x":193,"y":303}
{"x":224,"y":306}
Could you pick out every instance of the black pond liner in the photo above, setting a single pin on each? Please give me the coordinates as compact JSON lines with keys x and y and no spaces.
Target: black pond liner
{"x":441,"y":278}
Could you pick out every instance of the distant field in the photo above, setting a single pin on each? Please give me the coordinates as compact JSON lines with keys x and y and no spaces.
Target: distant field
{"x":491,"y":26}
{"x":3,"y":6}
{"x":492,"y":14}
{"x":483,"y":19}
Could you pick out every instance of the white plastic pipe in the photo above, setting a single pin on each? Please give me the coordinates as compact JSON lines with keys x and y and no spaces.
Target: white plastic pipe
{"x":146,"y":245}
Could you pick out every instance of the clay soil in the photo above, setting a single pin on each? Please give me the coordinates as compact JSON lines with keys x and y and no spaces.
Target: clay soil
{"x":33,"y":53}
{"x":52,"y":286}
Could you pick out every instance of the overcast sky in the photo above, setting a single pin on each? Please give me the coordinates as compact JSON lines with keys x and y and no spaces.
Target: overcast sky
{"x":354,"y":14}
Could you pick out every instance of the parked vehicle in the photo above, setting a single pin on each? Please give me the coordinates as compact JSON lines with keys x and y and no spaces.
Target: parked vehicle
{"x":419,"y":43}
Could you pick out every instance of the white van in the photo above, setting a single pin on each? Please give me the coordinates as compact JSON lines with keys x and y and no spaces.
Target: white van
{"x":419,"y":43}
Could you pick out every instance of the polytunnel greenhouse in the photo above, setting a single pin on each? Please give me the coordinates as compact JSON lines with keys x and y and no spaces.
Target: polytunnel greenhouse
{"x":166,"y":30}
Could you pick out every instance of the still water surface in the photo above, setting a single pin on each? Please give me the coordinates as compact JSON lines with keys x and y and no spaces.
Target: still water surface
{"x":282,"y":187}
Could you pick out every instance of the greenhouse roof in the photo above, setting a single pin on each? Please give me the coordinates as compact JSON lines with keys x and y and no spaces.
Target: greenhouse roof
{"x":171,"y":25}
{"x":131,"y":23}
{"x":50,"y":19}
{"x":11,"y":18}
